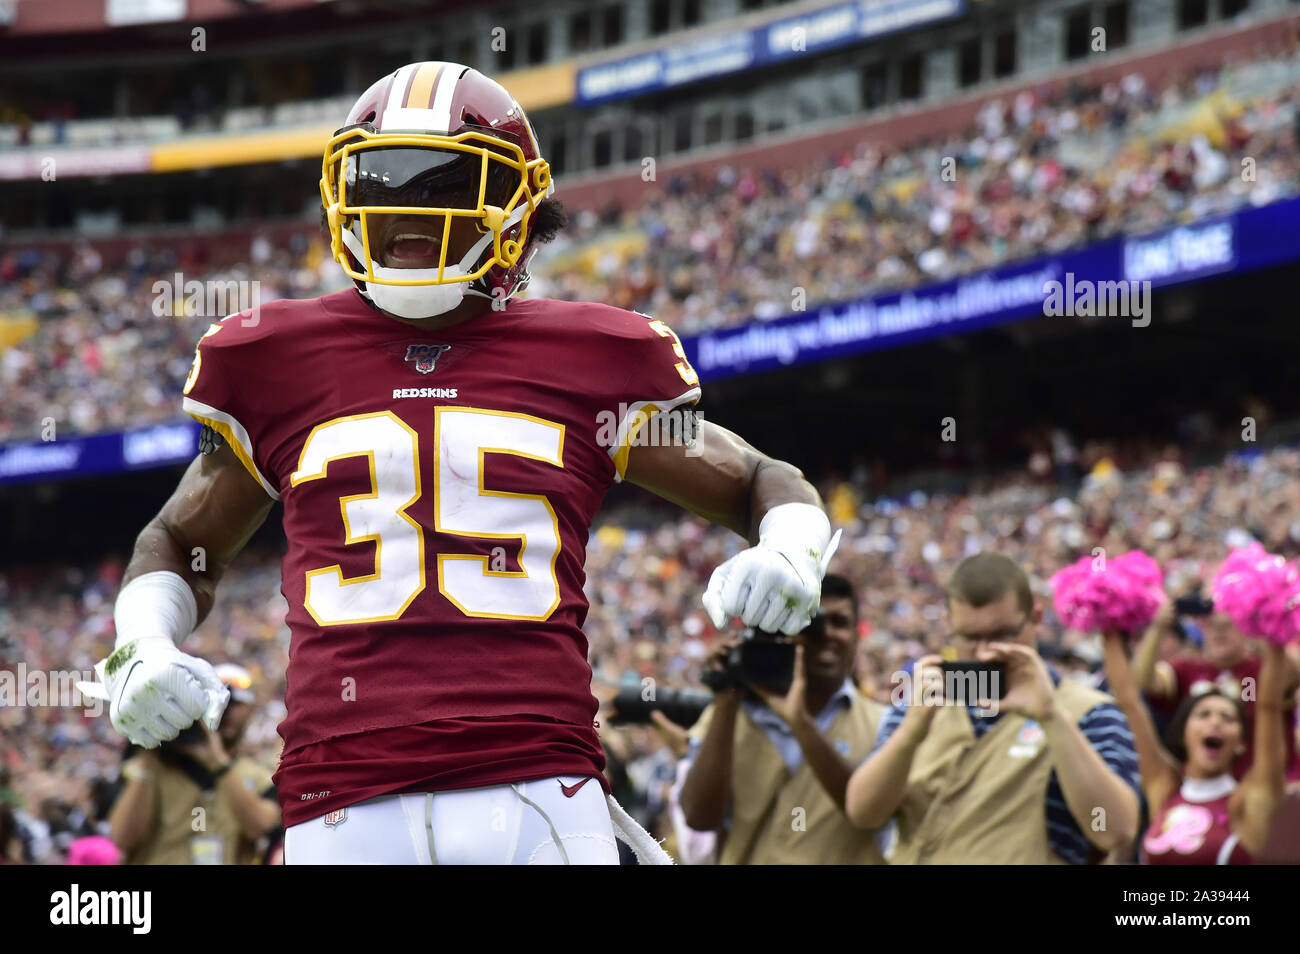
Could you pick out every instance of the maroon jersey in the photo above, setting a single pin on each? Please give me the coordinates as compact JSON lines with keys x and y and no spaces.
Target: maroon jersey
{"x":1195,"y":674}
{"x":1194,"y":827}
{"x":438,"y":490}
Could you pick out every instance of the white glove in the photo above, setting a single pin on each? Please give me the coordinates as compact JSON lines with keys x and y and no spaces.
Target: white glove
{"x":156,"y":691}
{"x":776,"y":586}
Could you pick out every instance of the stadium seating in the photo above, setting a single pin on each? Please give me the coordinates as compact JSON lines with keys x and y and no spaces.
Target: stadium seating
{"x":716,"y":251}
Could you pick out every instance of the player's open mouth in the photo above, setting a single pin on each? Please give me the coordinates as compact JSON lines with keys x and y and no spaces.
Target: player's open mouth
{"x":412,"y":249}
{"x":1213,"y":744}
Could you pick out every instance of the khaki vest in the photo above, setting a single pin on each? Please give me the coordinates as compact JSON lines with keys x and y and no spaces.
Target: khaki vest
{"x":173,"y":840}
{"x":983,"y":801}
{"x":779,"y":818}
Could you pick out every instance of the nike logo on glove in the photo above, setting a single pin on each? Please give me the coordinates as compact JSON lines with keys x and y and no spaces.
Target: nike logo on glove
{"x":127,"y":678}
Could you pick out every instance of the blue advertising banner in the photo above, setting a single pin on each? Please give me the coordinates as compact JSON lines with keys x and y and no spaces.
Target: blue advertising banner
{"x":156,"y":446}
{"x":1254,"y":238}
{"x":730,"y":51}
{"x":1246,"y":240}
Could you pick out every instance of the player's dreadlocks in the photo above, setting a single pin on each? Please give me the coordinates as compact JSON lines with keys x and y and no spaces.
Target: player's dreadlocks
{"x":549,"y":220}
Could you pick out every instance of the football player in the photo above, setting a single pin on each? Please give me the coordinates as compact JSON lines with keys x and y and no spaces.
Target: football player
{"x":440,"y":447}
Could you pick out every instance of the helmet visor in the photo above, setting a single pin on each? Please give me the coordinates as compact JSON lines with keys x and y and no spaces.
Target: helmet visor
{"x":421,"y":178}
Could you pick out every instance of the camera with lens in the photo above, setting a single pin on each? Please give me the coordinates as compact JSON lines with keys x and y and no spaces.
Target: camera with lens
{"x":191,"y":736}
{"x":762,"y":659}
{"x":1193,"y":605}
{"x":683,"y":706}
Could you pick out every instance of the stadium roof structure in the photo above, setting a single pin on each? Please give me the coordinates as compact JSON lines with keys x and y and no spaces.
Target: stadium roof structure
{"x":94,"y":18}
{"x":296,"y":131}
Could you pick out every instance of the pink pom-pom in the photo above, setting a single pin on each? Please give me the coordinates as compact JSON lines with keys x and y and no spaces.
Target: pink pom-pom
{"x":1069,"y":595}
{"x":1260,"y":593}
{"x":94,"y":850}
{"x":1122,"y":594}
{"x":1139,"y":567}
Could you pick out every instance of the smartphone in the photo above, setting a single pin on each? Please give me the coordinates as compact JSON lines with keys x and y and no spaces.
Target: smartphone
{"x":966,"y":681}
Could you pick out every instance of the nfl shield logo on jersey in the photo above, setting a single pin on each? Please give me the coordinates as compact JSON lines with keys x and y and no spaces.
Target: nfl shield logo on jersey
{"x":335,"y":818}
{"x":425,"y":356}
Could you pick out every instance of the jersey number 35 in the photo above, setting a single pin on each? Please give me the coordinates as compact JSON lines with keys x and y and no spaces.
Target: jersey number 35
{"x":462,"y":507}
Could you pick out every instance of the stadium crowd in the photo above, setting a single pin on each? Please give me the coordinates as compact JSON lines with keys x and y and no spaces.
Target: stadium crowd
{"x":1033,"y":174}
{"x":95,"y":347}
{"x":646,"y":572}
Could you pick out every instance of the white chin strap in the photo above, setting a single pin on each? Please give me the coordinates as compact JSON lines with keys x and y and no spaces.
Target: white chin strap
{"x":421,"y":301}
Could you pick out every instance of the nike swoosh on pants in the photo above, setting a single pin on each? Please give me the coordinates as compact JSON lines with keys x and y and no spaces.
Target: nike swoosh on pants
{"x":571,"y":790}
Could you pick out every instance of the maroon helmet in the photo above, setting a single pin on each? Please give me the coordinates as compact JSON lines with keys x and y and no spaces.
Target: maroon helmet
{"x":442,"y":141}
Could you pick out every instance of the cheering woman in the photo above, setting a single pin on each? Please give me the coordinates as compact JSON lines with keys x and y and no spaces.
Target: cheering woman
{"x":1202,"y":815}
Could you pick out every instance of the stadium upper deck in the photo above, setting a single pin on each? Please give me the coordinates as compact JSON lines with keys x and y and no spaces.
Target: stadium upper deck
{"x":606,"y":83}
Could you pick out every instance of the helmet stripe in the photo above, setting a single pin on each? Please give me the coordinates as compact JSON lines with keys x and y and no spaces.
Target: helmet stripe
{"x":448,"y":80}
{"x":397,"y":91}
{"x":422,"y":84}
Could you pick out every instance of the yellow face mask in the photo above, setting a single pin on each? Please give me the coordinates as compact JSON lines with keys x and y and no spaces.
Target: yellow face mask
{"x":419,"y":196}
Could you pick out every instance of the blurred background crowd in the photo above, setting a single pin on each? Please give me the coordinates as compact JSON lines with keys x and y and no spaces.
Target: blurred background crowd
{"x":646,"y":571}
{"x":1034,"y":174}
{"x":1074,"y":436}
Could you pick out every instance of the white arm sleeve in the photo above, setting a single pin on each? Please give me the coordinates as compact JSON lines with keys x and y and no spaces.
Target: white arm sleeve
{"x":155,"y":605}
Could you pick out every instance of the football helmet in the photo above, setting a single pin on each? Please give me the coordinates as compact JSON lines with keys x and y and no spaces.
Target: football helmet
{"x":433,"y":156}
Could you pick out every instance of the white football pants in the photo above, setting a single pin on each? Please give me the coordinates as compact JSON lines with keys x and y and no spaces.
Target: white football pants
{"x":527,"y":823}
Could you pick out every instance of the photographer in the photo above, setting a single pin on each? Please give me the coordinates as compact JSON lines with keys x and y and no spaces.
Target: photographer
{"x":155,"y":819}
{"x":770,"y":770}
{"x":1050,"y":776}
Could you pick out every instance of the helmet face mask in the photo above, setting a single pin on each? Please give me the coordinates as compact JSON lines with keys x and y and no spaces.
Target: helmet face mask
{"x":484,"y":180}
{"x":430,"y":190}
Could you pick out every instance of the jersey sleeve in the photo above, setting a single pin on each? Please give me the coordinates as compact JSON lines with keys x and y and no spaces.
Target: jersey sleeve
{"x":658,"y":379}
{"x":220,"y":391}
